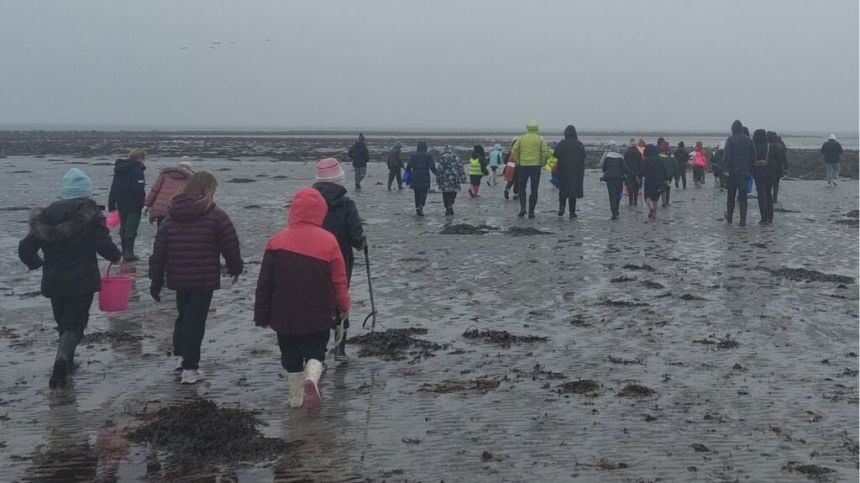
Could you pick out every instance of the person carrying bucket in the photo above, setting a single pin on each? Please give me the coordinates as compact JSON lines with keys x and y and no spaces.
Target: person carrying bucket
{"x":71,"y":233}
{"x":127,"y":196}
{"x":302,"y":294}
{"x":342,"y":221}
{"x":188,"y":249}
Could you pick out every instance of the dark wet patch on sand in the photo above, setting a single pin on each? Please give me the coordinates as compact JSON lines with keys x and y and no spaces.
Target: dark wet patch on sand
{"x":814,"y":472}
{"x":501,"y":337}
{"x":643,"y":267}
{"x":242,"y":180}
{"x":446,"y":387}
{"x":651,"y":284}
{"x":689,"y":296}
{"x":724,"y":344}
{"x":622,"y":279}
{"x":622,"y":303}
{"x":804,"y":275}
{"x":467,"y":229}
{"x":626,"y":362}
{"x":111,"y":337}
{"x":636,"y":390}
{"x":393,"y":344}
{"x":585,"y":387}
{"x":15,"y":208}
{"x":525,"y":231}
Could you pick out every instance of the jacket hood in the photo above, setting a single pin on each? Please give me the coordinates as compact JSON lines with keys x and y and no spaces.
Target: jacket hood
{"x":772,"y":137}
{"x":570,"y":132}
{"x":532,"y":126}
{"x":333,"y":193}
{"x":497,"y":147}
{"x":760,"y":136}
{"x":614,"y":154}
{"x":737,"y":127}
{"x":177,"y":173}
{"x":422,"y":147}
{"x":123,"y":166}
{"x":308,"y":206}
{"x":62,"y":219}
{"x":187,"y":206}
{"x":650,"y":150}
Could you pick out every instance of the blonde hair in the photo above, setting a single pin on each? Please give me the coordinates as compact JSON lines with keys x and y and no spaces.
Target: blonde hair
{"x":136,"y":154}
{"x":203,"y":184}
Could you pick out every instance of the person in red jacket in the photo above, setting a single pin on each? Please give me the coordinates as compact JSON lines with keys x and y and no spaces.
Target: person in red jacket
{"x":188,"y":247}
{"x":302,"y":294}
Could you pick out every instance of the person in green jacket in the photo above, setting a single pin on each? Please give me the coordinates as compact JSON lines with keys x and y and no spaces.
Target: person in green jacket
{"x":477,"y":170}
{"x":530,"y":153}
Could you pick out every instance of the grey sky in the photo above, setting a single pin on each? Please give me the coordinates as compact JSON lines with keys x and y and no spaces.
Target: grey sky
{"x":790,"y":65}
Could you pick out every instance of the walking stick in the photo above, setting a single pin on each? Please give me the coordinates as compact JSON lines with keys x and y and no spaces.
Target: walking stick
{"x":372,"y":315}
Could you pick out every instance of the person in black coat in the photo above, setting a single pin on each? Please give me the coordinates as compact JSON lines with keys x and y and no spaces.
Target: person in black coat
{"x":342,"y":221}
{"x":764,"y":172}
{"x":633,"y":160}
{"x":682,"y":157}
{"x":654,"y":177}
{"x":781,"y":161}
{"x":738,"y":156}
{"x":614,"y":172}
{"x":360,"y":156}
{"x":831,"y":150}
{"x":127,"y":195}
{"x":671,"y":166}
{"x":70,"y":233}
{"x":419,"y":167}
{"x":570,"y":170}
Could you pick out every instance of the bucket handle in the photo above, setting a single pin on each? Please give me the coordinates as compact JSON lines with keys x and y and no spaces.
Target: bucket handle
{"x":107,"y":272}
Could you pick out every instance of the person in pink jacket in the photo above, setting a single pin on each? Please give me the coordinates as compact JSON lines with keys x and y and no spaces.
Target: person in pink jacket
{"x":700,"y":164}
{"x":169,"y":182}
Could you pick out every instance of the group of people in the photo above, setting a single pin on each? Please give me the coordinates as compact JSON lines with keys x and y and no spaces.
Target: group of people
{"x":302,"y":288}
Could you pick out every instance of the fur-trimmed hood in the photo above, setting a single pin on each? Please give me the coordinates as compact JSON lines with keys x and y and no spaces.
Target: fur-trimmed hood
{"x":63,"y":219}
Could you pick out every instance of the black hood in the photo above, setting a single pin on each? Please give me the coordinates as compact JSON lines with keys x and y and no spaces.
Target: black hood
{"x":124,"y":166}
{"x":737,"y":127}
{"x":422,"y":147}
{"x":760,"y":136}
{"x":650,"y":150}
{"x":63,"y":219}
{"x":333,"y":193}
{"x":570,"y":132}
{"x":772,"y":137}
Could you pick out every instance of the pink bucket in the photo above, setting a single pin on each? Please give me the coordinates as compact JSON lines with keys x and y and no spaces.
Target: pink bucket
{"x":115,"y":292}
{"x":113,"y":219}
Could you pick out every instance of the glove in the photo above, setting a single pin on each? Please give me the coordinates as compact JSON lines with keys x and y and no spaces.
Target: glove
{"x":155,"y":292}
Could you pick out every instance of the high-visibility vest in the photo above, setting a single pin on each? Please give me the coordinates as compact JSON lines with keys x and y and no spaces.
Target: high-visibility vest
{"x":475,"y":167}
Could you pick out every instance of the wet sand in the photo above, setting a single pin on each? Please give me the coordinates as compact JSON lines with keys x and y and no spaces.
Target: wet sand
{"x":676,"y":350}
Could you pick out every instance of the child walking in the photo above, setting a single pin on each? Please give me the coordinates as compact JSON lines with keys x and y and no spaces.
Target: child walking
{"x":188,"y":248}
{"x":70,"y":233}
{"x":496,"y":160}
{"x":450,"y":175}
{"x":477,"y":170}
{"x":419,"y":167}
{"x":302,"y":294}
{"x":700,"y":163}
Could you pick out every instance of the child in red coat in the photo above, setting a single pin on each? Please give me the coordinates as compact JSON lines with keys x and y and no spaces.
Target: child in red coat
{"x":302,"y":294}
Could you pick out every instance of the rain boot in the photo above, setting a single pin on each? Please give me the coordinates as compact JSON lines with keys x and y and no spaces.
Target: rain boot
{"x":65,"y":358}
{"x":522,"y":207}
{"x":313,"y":371}
{"x":296,"y":392}
{"x":128,"y":250}
{"x":561,"y":204}
{"x":730,"y":211}
{"x":743,"y":209}
{"x":532,"y":204}
{"x":572,"y":203}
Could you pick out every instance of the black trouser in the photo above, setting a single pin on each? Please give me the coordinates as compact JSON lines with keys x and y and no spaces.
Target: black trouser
{"x":667,"y":191}
{"x":448,"y":199}
{"x":193,"y":309}
{"x":392,"y":175}
{"x":298,"y":349}
{"x":681,"y":175}
{"x":736,"y":187}
{"x":776,"y":188}
{"x":614,"y":186}
{"x":72,"y":312}
{"x":633,"y":188}
{"x":420,"y":198}
{"x":563,"y":199}
{"x":475,"y":179}
{"x":764,"y":193}
{"x":528,"y":175}
{"x":699,"y":175}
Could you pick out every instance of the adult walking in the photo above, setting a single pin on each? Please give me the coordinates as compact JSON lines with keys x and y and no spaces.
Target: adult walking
{"x":71,"y":233}
{"x":419,"y":167}
{"x":781,"y":161}
{"x":671,"y":165}
{"x":633,"y":160}
{"x":570,"y":170}
{"x":360,"y":156}
{"x":764,"y":170}
{"x":127,"y":196}
{"x":395,"y":165}
{"x":451,"y":174}
{"x":682,"y":157}
{"x":654,"y":178}
{"x":614,"y":172}
{"x":831,"y":150}
{"x":530,"y":153}
{"x":342,"y":221}
{"x":170,"y":181}
{"x":739,"y":154}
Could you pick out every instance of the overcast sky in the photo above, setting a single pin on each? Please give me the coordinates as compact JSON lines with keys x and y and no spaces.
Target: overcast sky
{"x":789,"y":65}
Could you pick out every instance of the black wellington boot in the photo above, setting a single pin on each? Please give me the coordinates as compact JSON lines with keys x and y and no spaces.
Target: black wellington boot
{"x":522,"y":207}
{"x":730,"y":211}
{"x":128,"y":250}
{"x":743,"y":209}
{"x":561,"y":205}
{"x":532,"y":204}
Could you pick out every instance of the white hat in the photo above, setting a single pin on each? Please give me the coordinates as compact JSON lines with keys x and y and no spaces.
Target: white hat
{"x":833,"y":137}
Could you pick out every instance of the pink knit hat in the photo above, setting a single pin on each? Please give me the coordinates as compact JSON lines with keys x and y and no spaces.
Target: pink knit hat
{"x":329,"y":170}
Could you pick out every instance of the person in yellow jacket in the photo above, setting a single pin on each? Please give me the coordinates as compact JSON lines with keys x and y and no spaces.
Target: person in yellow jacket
{"x":530,"y":153}
{"x":477,"y":169}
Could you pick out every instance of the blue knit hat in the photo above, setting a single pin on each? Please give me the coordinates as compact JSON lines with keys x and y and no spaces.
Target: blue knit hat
{"x":76,"y":184}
